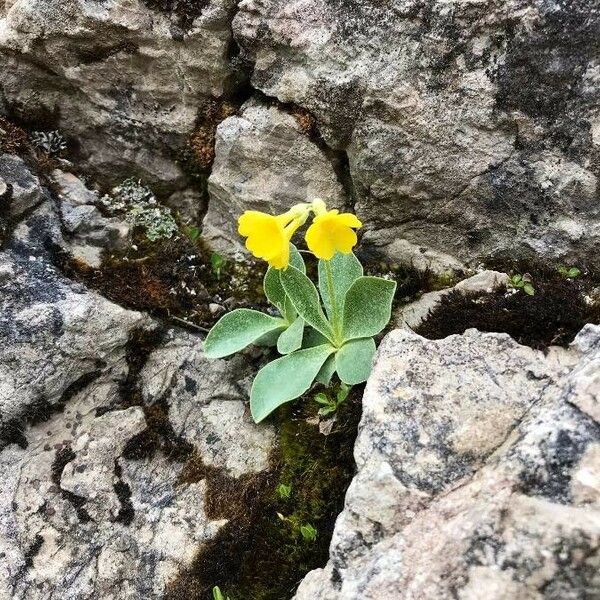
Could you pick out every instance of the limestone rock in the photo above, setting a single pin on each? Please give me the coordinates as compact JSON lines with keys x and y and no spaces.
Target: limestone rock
{"x":264,"y":161}
{"x":477,"y":474}
{"x":121,"y":80}
{"x":207,"y":407}
{"x":470,"y":127}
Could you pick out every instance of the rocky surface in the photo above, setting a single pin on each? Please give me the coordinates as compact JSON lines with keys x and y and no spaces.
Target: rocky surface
{"x":94,"y":501}
{"x":477,"y":471}
{"x":101,"y":410}
{"x":265,"y":160}
{"x":122,"y":80}
{"x":471,"y":127}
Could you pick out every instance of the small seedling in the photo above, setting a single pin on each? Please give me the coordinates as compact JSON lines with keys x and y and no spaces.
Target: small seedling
{"x":330,"y":405}
{"x":522,"y":282}
{"x":218,"y":594}
{"x":284,"y":491}
{"x":217,"y":262}
{"x":192,"y":232}
{"x":308,"y":532}
{"x":569,"y":272}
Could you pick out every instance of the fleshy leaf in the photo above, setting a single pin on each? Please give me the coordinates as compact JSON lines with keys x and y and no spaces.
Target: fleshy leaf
{"x":272,"y":284}
{"x":354,"y":360}
{"x":368,"y":307}
{"x":313,"y":338}
{"x":346,"y":269}
{"x":327,"y":370}
{"x":238,"y":329}
{"x":286,"y":379}
{"x":305,"y":298}
{"x":291,"y":339}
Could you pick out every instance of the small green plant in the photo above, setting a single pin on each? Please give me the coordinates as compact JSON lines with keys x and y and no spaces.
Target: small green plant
{"x":284,"y":491}
{"x":191,"y":232}
{"x":330,"y":405}
{"x":522,"y":282}
{"x":569,"y":272}
{"x":308,"y":532}
{"x":217,"y":262}
{"x":318,"y":332}
{"x":217,"y":594}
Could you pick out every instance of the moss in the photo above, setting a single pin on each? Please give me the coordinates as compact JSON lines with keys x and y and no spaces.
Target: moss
{"x":172,"y":278}
{"x":257,"y":555}
{"x":553,"y":316}
{"x":13,"y":139}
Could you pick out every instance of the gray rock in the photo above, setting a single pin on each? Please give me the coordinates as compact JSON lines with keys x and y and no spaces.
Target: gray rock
{"x":478,"y":475}
{"x":207,"y":407}
{"x":84,"y":513}
{"x":54,"y":336}
{"x":470,"y":127}
{"x":121,"y":80}
{"x":264,"y":161}
{"x":25,"y":189}
{"x":87,"y":233}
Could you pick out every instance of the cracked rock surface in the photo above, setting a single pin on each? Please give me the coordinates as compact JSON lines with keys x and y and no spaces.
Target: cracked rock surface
{"x":471,"y":127}
{"x":100,"y":411}
{"x":477,"y":470}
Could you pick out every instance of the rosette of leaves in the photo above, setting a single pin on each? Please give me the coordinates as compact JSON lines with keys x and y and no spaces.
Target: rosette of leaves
{"x":318,"y":332}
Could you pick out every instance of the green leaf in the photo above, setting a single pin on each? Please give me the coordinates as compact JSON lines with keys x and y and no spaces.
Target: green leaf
{"x":296,"y":259}
{"x":291,"y":339}
{"x":308,"y":532}
{"x":327,"y":370}
{"x":313,"y":338}
{"x":286,"y":379}
{"x":346,"y":269}
{"x":573,"y":272}
{"x":274,"y":290}
{"x":305,"y":298}
{"x":238,"y":329}
{"x":368,"y":307}
{"x":528,"y":289}
{"x":272,"y":284}
{"x":354,"y":360}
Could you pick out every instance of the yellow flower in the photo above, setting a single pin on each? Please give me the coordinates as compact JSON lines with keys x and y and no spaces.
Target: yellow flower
{"x":331,"y":232}
{"x":269,"y":235}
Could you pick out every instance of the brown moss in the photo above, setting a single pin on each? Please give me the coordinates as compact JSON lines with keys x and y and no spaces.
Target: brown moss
{"x":553,"y":316}
{"x":257,"y":555}
{"x":201,"y":145}
{"x":13,"y":139}
{"x":172,"y":279}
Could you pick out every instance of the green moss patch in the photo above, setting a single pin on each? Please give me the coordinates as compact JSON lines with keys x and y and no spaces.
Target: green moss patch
{"x":267,"y":546}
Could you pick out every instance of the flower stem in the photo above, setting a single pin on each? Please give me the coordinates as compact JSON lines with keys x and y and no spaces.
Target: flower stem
{"x":335,"y":317}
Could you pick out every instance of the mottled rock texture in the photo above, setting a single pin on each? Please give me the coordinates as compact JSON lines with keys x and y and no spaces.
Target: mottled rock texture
{"x":101,"y":410}
{"x":265,"y":160}
{"x":471,"y":127}
{"x":122,"y":79}
{"x":477,"y":477}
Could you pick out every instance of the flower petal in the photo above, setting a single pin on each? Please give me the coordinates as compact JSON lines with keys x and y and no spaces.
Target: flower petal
{"x":319,"y":241}
{"x":344,"y":239}
{"x":349,"y":220}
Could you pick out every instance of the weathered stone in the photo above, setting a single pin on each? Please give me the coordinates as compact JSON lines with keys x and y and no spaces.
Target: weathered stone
{"x":207,"y":408}
{"x":88,"y":233}
{"x":122,"y":81}
{"x":24,"y":187}
{"x":477,"y":475}
{"x":55,"y":334}
{"x":264,"y":161}
{"x":469,"y":126}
